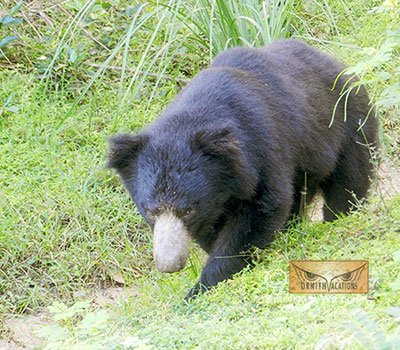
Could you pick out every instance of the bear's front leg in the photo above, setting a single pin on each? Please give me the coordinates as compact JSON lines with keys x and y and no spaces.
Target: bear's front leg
{"x":253,"y":225}
{"x":228,"y":254}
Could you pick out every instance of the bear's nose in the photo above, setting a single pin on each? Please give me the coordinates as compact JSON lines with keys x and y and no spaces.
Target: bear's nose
{"x":171,"y":243}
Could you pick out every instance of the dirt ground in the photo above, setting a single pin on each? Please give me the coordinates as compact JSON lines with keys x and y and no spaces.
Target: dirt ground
{"x":19,"y":331}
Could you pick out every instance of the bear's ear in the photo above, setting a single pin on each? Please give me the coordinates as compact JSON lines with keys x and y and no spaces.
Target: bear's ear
{"x":216,"y":142}
{"x":124,"y":149}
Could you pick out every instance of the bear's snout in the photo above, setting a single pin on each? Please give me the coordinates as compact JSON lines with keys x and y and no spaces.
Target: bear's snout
{"x":171,"y":245}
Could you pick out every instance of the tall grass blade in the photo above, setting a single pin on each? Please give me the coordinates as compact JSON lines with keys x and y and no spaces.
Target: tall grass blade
{"x":67,"y":37}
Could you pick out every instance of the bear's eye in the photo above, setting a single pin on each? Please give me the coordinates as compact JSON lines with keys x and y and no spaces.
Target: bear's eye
{"x":187,"y":212}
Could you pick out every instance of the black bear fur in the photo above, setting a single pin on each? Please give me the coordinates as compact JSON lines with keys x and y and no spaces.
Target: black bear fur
{"x":230,"y":154}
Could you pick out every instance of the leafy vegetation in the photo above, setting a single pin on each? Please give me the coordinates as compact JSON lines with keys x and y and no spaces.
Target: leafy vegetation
{"x":74,"y":72}
{"x":218,"y":25}
{"x":373,"y":73}
{"x":94,"y":330}
{"x":8,"y":21}
{"x":367,"y":331}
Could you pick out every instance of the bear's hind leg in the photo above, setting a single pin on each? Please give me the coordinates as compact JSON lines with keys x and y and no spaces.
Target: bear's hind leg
{"x":349,"y":182}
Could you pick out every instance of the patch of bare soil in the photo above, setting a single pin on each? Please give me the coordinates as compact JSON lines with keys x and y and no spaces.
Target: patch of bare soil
{"x":388,"y":180}
{"x":5,"y":345}
{"x":107,"y":296}
{"x":20,"y":330}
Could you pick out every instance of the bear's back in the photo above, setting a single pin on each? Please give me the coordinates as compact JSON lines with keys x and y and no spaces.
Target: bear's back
{"x":288,"y":61}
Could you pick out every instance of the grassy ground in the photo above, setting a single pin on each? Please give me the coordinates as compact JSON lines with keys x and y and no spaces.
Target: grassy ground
{"x":67,"y":225}
{"x":65,"y":213}
{"x":255,"y":311}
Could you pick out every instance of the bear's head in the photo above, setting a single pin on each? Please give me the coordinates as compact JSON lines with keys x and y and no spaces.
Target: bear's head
{"x":181,"y":185}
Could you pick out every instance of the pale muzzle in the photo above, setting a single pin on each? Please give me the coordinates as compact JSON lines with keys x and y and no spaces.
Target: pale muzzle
{"x":171,"y":245}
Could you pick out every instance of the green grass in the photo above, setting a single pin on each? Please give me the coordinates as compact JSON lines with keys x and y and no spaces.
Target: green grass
{"x":68,"y":222}
{"x":69,"y":226}
{"x":255,"y":310}
{"x":218,"y":25}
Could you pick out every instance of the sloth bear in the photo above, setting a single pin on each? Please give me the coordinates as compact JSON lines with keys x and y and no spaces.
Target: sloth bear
{"x":233,"y":157}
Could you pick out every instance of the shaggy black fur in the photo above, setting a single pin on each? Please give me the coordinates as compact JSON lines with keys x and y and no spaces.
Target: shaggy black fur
{"x":230,"y":153}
